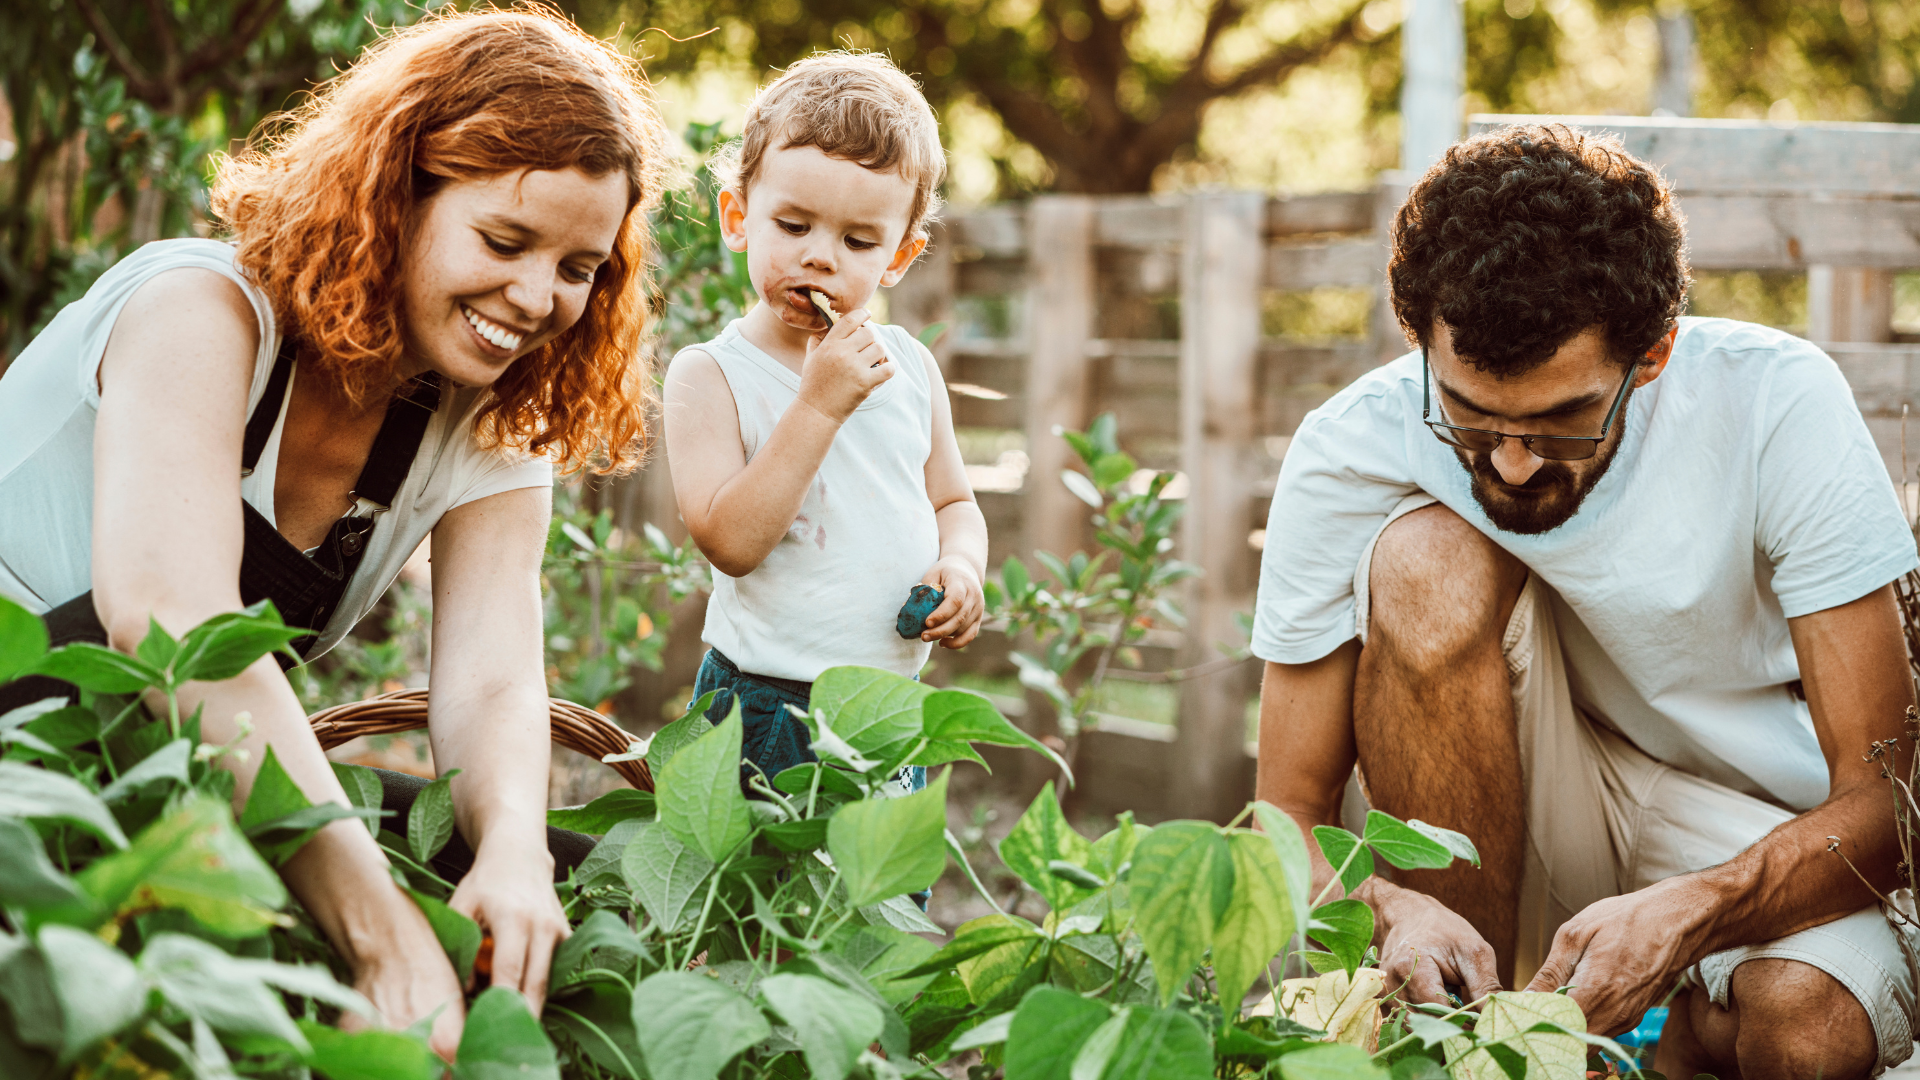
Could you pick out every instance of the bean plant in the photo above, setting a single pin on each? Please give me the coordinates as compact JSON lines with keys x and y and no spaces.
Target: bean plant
{"x":720,"y":929}
{"x":1085,"y":605}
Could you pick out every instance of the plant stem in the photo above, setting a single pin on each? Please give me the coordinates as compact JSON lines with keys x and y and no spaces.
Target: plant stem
{"x":1340,"y":873}
{"x":1468,"y":1007}
{"x":1241,"y":816}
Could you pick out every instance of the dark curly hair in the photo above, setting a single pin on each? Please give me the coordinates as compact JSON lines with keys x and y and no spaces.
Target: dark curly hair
{"x":1525,"y":236}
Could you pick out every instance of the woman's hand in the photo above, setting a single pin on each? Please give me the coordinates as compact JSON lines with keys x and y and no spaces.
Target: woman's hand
{"x":408,"y":979}
{"x":509,"y":892}
{"x":957,"y":620}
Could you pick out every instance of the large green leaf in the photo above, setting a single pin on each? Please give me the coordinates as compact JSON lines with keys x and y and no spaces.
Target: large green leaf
{"x":668,"y":740}
{"x":1290,"y":847}
{"x":1258,"y":920}
{"x":1041,"y":836}
{"x":954,"y":718}
{"x":1457,"y":843}
{"x":1181,"y":884}
{"x":363,"y":790}
{"x":1330,"y":1061}
{"x":1345,"y":927}
{"x":274,"y":794}
{"x":369,"y":1055}
{"x":28,"y":879}
{"x":885,"y":847}
{"x":835,"y":1024}
{"x":698,"y":793}
{"x":97,"y":668}
{"x":662,"y":872}
{"x":601,"y":930}
{"x":99,"y":990}
{"x":502,"y":1041}
{"x":27,"y":792}
{"x":1548,"y":1055}
{"x":1403,"y":846}
{"x":430,"y":822}
{"x":1161,"y":1044}
{"x":23,"y":639}
{"x":223,"y":990}
{"x":165,"y":765}
{"x":973,"y":938}
{"x":603,"y":813}
{"x":459,"y":936}
{"x":997,"y":977}
{"x":1115,"y":849}
{"x":227,"y":644}
{"x":1047,"y":1032}
{"x":603,"y":862}
{"x":193,"y":859}
{"x":690,"y":1026}
{"x":26,"y":986}
{"x":875,"y":711}
{"x":1343,"y":849}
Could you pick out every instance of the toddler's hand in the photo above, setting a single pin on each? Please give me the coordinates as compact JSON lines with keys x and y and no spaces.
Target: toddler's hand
{"x":843,"y":365}
{"x":957,"y":620}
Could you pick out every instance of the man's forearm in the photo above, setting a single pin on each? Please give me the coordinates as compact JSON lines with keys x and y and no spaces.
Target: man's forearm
{"x":1789,"y":880}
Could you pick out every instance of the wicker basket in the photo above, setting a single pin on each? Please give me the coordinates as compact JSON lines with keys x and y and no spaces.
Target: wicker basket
{"x":574,"y":726}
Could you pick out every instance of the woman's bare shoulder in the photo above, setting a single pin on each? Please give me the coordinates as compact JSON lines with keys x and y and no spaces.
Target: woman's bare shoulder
{"x":186,"y":319}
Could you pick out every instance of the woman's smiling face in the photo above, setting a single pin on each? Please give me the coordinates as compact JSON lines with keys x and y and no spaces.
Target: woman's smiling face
{"x":501,"y":265}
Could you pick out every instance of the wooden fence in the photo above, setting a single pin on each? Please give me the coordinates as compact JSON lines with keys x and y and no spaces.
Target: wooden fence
{"x":1159,"y":310}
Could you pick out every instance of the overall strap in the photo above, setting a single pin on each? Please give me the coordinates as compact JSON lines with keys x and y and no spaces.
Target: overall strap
{"x":265,"y":414}
{"x":397,"y":443}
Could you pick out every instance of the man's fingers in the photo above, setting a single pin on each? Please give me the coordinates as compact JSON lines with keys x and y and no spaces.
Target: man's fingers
{"x":1479,"y":973}
{"x":1424,"y":982}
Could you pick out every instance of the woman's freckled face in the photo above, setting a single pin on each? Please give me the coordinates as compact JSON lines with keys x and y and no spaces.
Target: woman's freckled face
{"x":811,"y":220}
{"x":501,"y":265}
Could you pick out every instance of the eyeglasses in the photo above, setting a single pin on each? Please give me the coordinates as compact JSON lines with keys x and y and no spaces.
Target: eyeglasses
{"x":1482,"y":441}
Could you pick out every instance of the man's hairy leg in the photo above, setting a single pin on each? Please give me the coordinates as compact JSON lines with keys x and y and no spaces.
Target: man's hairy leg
{"x":1433,"y":710}
{"x":1785,"y":1020}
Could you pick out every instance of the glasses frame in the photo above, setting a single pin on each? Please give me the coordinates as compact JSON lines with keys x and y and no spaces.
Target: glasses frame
{"x":1438,"y":427}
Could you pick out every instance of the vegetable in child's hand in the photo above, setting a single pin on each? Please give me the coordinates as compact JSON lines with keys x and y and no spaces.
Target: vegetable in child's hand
{"x":913,"y":614}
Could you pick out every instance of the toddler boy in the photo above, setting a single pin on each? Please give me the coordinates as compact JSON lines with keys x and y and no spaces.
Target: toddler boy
{"x":812,"y":450}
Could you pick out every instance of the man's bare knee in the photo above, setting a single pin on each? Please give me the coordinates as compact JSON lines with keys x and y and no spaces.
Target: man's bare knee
{"x":1796,"y":1021}
{"x":1439,"y":589}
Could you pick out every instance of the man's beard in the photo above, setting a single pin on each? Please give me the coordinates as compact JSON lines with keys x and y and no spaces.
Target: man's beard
{"x":1545,"y":502}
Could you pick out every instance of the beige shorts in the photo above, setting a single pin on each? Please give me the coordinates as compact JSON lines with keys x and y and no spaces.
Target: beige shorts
{"x":1604,"y":819}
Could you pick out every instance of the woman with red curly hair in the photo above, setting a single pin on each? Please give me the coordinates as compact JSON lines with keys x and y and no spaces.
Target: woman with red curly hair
{"x":432,"y":298}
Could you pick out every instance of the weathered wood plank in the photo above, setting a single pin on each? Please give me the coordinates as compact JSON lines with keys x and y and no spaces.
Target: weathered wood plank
{"x":1339,"y":211}
{"x":1137,"y":221}
{"x":1358,"y":263}
{"x":989,"y":232}
{"x":1219,"y":413}
{"x":1756,"y":157}
{"x":989,"y":277}
{"x":1747,"y":232}
{"x":1061,"y":320}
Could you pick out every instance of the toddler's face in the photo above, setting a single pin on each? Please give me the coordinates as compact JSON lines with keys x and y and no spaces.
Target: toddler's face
{"x":812,"y":221}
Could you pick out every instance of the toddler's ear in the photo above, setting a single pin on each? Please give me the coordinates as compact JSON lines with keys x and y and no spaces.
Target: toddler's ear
{"x":903,"y":257}
{"x":732,"y":209}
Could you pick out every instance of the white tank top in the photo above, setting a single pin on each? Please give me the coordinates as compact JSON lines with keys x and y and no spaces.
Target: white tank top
{"x":830,"y":590}
{"x":51,"y":394}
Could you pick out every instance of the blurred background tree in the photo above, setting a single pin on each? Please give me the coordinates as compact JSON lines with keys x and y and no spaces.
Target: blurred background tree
{"x":117,"y":108}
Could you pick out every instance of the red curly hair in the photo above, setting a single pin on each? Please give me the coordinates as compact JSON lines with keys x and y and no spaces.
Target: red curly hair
{"x":322,"y":205}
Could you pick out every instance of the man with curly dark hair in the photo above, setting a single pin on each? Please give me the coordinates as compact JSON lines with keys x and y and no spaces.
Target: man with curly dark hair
{"x":1605,"y":588}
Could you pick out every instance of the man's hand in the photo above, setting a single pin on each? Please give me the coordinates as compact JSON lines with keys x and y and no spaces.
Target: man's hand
{"x":1425,"y":948}
{"x":843,"y":365}
{"x":1621,"y":955}
{"x":957,"y":620}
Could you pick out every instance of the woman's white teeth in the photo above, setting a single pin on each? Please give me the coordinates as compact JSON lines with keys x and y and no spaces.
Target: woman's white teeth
{"x":492,"y":331}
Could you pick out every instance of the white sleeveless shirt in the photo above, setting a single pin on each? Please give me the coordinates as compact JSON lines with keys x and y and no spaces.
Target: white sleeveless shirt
{"x":830,"y":590}
{"x":49,"y":399}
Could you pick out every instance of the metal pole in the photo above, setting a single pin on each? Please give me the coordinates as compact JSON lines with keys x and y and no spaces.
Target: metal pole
{"x":1433,"y":57}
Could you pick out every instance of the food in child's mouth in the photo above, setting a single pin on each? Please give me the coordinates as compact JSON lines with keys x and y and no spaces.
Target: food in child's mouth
{"x":824,"y":306}
{"x":912,"y":621}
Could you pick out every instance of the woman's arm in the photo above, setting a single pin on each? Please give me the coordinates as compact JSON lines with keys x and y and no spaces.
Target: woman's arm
{"x":963,"y":529}
{"x":167,"y":540}
{"x":488,"y":718}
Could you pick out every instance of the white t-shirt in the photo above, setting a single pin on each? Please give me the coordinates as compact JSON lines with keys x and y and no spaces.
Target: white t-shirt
{"x":829,"y":592}
{"x":51,"y":395}
{"x":1746,"y":491}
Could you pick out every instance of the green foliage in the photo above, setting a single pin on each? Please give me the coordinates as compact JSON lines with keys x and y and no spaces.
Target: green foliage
{"x":1083,"y":605}
{"x":715,"y":936}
